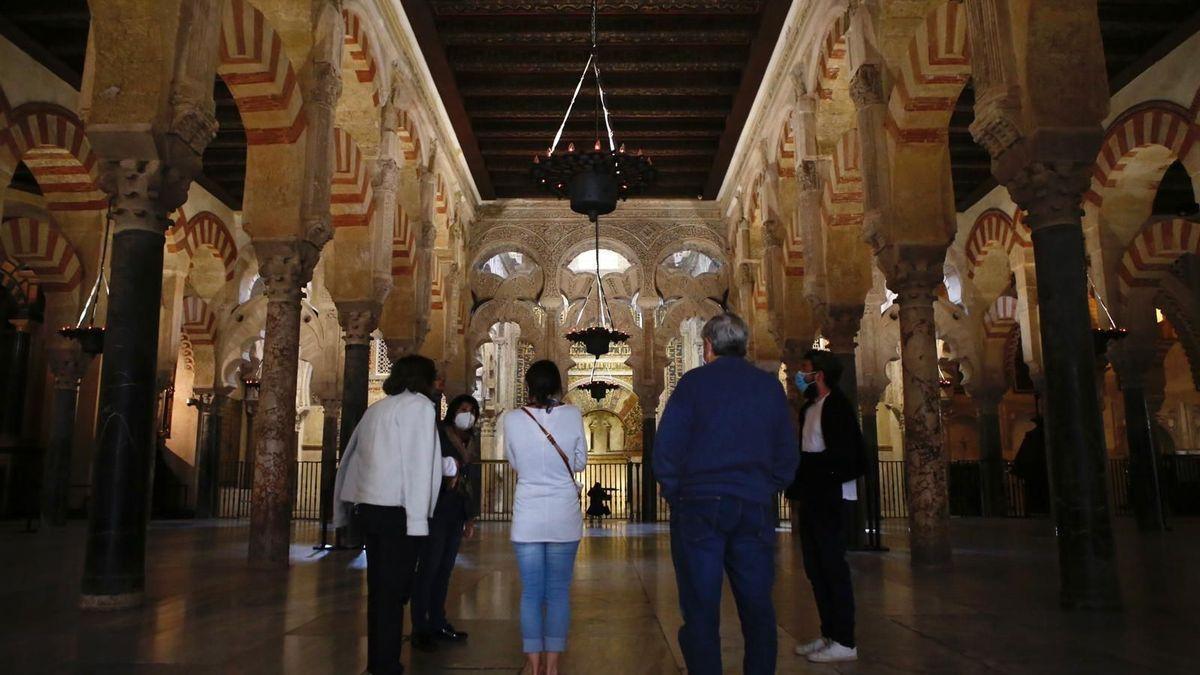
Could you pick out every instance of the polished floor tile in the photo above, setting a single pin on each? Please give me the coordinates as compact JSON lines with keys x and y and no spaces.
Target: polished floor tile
{"x":995,"y":611}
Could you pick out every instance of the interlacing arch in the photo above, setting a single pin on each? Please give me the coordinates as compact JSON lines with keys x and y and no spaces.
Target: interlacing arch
{"x":935,"y":69}
{"x":18,"y":284}
{"x":39,"y":247}
{"x":204,"y":229}
{"x":1156,"y":123}
{"x":1149,"y":257}
{"x":51,"y":141}
{"x":1001,"y":318}
{"x":351,"y":198}
{"x":359,"y":51}
{"x":994,"y":226}
{"x":842,"y":202}
{"x":403,"y":245}
{"x":199,"y":323}
{"x":260,"y":76}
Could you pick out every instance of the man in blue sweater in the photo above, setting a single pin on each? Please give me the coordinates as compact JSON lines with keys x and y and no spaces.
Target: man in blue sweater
{"x":725,"y":447}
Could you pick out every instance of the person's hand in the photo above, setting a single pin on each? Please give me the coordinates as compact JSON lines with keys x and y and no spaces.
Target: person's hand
{"x":469,"y":530}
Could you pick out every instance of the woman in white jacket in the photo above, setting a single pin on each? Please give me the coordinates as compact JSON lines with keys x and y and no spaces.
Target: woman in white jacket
{"x":389,"y":478}
{"x":544,"y":443}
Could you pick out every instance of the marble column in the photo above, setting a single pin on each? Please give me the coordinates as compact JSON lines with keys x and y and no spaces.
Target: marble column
{"x":358,"y":321}
{"x":649,"y":485}
{"x":329,"y":455}
{"x":916,"y":275}
{"x":1133,"y":359}
{"x":209,"y":406}
{"x":869,"y":486}
{"x":67,"y":366}
{"x":13,"y":393}
{"x":286,"y":267}
{"x":991,"y":455}
{"x":114,"y":567}
{"x":1052,"y":192}
{"x":840,"y":328}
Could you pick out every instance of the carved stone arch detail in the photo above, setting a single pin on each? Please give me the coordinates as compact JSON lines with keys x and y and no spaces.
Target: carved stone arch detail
{"x":525,"y":314}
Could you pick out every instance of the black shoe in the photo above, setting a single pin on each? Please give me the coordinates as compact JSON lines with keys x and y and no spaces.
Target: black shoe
{"x":424,"y":642}
{"x":450,"y":635}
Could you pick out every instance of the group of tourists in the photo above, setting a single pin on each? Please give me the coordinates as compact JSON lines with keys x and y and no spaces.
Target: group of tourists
{"x":726,"y":446}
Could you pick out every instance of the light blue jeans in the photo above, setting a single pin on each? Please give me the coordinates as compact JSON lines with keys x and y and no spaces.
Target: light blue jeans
{"x":546,"y":571}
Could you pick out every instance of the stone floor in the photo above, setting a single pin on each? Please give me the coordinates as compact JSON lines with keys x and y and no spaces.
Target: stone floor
{"x":996,"y":612}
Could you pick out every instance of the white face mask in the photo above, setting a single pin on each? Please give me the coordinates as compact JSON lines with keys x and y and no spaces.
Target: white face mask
{"x":464,"y":420}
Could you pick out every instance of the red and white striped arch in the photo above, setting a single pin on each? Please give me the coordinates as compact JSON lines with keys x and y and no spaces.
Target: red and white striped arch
{"x":787,"y":151}
{"x":199,"y":323}
{"x":205,"y":229}
{"x":931,"y":76}
{"x":1001,"y":318}
{"x":403,"y":245}
{"x":359,"y":51}
{"x":351,"y":196}
{"x":831,"y":61}
{"x":994,"y":226}
{"x":19,"y":284}
{"x":1157,"y":123}
{"x":38,"y":246}
{"x":1149,"y":257}
{"x":842,"y":202}
{"x":51,"y":141}
{"x":410,"y":139}
{"x":260,"y":76}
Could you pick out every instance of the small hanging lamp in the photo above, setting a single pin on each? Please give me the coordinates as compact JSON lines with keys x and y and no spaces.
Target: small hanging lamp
{"x":85,"y":331}
{"x":598,"y":389}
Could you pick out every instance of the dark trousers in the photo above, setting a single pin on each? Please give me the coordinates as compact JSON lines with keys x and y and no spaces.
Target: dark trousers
{"x":710,"y":538}
{"x":823,"y":544}
{"x":435,"y":563}
{"x":391,"y":564}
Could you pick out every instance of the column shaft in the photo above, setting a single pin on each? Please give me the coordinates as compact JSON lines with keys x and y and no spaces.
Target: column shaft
{"x":649,"y":485}
{"x":208,"y":455}
{"x":870,"y":493}
{"x":114,"y":568}
{"x":329,"y":452}
{"x":56,"y":476}
{"x":12,"y":411}
{"x":991,"y":461}
{"x":1145,"y":490}
{"x":926,"y":466}
{"x":355,"y":377}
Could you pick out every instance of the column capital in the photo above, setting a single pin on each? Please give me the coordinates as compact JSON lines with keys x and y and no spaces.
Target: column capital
{"x":866,"y":88}
{"x":1051,"y":192}
{"x":203,"y":398}
{"x":387,"y":176}
{"x":914,"y":271}
{"x":398,"y":347}
{"x":285,"y":267}
{"x":67,"y":365}
{"x":808,"y":172}
{"x":1132,"y":359}
{"x":142,"y":194}
{"x":840,"y":326}
{"x":332,"y":406}
{"x":324,"y":85}
{"x":358,"y":320}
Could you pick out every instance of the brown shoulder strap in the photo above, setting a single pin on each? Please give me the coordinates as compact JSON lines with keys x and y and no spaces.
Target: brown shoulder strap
{"x":561,"y":455}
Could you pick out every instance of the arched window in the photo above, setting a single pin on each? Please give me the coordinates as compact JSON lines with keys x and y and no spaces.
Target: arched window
{"x":610,"y":262}
{"x":692,"y":263}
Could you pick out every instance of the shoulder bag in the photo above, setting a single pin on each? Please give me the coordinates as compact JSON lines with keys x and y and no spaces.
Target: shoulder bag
{"x":561,"y":455}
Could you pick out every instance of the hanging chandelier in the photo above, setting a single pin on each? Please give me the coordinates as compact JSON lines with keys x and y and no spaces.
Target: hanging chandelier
{"x":85,"y":331}
{"x":599,"y":336}
{"x":598,"y":389}
{"x":593,"y":179}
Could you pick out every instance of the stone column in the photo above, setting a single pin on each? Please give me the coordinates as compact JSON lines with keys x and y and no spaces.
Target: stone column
{"x":114,"y":568}
{"x":13,"y":393}
{"x":67,"y":366}
{"x":916,"y":274}
{"x":209,"y":404}
{"x":1052,"y":192}
{"x":358,"y":321}
{"x":285,"y":266}
{"x":840,"y":328}
{"x":868,"y":401}
{"x":991,"y":455}
{"x":329,"y":456}
{"x":1133,"y":358}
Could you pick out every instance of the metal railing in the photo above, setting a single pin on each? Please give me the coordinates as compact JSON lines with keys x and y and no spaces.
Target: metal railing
{"x":235,"y":483}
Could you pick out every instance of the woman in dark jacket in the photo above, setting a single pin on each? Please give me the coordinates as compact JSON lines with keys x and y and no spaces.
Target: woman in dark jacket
{"x":453,"y":519}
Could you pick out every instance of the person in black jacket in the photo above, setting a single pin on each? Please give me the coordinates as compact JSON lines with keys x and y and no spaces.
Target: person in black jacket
{"x":453,"y":518}
{"x":832,"y":454}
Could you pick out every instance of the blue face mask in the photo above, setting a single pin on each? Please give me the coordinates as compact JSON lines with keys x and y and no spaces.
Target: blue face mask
{"x":802,"y":382}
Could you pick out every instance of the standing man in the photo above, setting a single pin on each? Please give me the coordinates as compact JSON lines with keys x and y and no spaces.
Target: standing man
{"x":725,"y":448}
{"x":832,"y":457}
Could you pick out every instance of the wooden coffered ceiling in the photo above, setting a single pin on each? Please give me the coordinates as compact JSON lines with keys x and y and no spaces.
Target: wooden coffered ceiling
{"x":680,"y":77}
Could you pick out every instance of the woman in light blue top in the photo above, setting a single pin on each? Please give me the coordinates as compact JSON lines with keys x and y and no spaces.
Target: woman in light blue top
{"x":545,"y":445}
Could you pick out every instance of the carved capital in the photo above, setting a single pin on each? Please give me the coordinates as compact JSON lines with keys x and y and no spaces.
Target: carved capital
{"x":387,"y":175}
{"x":325,"y":85}
{"x":193,"y":124}
{"x":358,"y":320}
{"x":203,"y":399}
{"x":867,"y":86}
{"x":1051,"y":192}
{"x":841,"y":326}
{"x":809,"y":175}
{"x":142,"y":194}
{"x":67,"y":365}
{"x":1133,"y":358}
{"x":914,"y":272}
{"x":997,"y":126}
{"x":332,"y":406}
{"x":398,"y":347}
{"x":285,"y":267}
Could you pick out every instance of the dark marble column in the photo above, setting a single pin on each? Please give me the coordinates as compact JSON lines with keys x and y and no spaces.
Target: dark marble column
{"x":649,"y":485}
{"x":869,"y":486}
{"x":991,"y":456}
{"x":209,"y":406}
{"x":114,"y":567}
{"x":286,"y":266}
{"x":329,"y":456}
{"x":1052,"y":193}
{"x":840,"y":328}
{"x":1133,"y":359}
{"x":916,"y":275}
{"x":358,"y":321}
{"x":12,"y":394}
{"x":67,"y":365}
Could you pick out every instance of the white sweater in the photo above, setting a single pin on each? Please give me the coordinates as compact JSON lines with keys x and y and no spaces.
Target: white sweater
{"x":393,"y":459}
{"x":546,"y":505}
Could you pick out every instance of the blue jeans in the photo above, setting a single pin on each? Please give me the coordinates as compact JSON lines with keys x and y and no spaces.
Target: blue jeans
{"x":546,"y":571}
{"x":712,"y":537}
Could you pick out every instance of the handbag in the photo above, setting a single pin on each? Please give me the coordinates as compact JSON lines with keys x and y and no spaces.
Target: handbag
{"x":561,"y":455}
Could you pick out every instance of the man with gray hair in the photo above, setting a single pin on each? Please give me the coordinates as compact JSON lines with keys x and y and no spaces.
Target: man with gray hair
{"x":726,"y":446}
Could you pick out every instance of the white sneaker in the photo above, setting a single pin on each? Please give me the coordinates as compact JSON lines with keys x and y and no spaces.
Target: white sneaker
{"x":812,"y":647}
{"x":834,"y":653}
